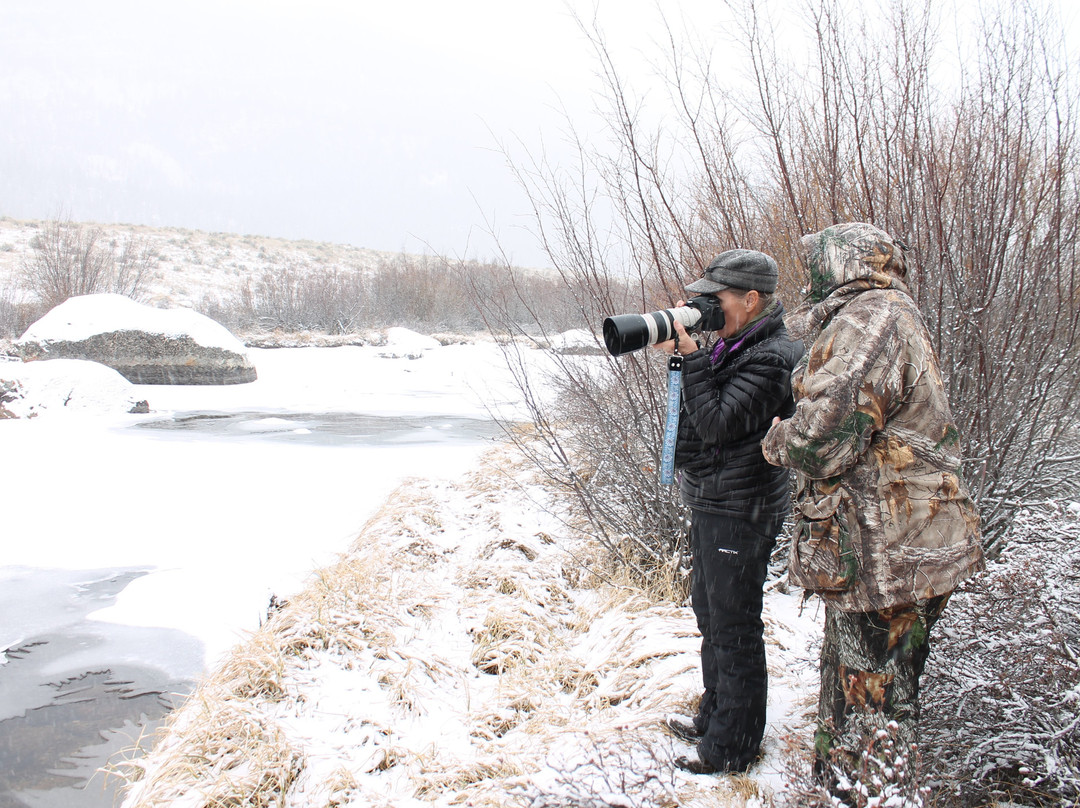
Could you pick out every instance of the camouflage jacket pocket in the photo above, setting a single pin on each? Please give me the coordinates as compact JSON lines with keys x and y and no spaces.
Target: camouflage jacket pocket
{"x":822,"y":553}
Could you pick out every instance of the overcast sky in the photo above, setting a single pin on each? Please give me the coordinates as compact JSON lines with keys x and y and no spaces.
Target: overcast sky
{"x":376,"y":123}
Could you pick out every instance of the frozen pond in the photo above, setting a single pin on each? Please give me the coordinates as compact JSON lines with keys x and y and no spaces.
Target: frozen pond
{"x":330,"y":429}
{"x":137,"y":552}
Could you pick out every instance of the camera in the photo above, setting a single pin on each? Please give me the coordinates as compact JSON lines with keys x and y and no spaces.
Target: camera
{"x":624,"y":333}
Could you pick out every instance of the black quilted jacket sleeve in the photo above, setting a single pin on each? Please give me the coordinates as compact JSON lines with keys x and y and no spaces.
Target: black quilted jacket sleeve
{"x":726,"y":411}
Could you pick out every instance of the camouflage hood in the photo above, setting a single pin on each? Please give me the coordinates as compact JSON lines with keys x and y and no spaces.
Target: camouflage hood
{"x":845,"y":260}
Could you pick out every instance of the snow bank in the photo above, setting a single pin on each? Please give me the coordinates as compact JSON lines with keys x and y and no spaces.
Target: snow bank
{"x":146,"y":345}
{"x":65,"y":386}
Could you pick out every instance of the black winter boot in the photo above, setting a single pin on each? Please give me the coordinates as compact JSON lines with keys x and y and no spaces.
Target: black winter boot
{"x":683,"y":727}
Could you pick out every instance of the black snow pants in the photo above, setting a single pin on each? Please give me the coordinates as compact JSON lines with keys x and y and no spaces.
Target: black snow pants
{"x":730,"y":562}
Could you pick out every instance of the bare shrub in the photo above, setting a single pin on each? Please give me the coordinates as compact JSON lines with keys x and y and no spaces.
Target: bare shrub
{"x":1000,"y":716}
{"x":16,"y":314}
{"x":8,"y":317}
{"x":601,"y":431}
{"x":982,"y":184}
{"x":597,"y":434}
{"x":70,"y":259}
{"x":885,"y":773}
{"x":418,"y":292}
{"x":866,"y":135}
{"x":436,"y":293}
{"x":422,"y":292}
{"x":228,"y":311}
{"x":297,"y":298}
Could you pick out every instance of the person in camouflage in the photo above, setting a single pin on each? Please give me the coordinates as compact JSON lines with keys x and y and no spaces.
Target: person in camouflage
{"x":885,"y":529}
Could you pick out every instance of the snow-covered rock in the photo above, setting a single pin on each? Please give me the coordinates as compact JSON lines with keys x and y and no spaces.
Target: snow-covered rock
{"x":401,"y":343}
{"x":146,"y":345}
{"x":29,"y":389}
{"x":578,"y":341}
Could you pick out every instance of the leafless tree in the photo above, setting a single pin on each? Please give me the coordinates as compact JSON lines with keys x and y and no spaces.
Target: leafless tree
{"x":70,"y":259}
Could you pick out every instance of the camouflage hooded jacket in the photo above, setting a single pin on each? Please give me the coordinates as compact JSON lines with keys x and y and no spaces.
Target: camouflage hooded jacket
{"x":883,"y":515}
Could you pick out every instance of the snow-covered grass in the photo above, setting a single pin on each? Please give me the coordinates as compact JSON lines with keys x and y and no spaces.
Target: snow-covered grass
{"x":461,"y":653}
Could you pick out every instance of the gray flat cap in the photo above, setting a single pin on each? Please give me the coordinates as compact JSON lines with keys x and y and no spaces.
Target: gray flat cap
{"x":738,"y":269}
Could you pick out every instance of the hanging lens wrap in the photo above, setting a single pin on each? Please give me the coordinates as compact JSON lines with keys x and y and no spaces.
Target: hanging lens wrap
{"x":671,"y":427}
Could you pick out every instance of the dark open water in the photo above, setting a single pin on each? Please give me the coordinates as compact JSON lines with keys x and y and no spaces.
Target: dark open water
{"x":62,"y":720}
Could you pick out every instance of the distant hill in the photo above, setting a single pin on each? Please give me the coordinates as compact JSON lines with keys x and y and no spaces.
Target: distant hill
{"x":193,"y":263}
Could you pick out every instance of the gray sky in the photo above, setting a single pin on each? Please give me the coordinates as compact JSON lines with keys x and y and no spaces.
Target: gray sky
{"x":370,"y":122}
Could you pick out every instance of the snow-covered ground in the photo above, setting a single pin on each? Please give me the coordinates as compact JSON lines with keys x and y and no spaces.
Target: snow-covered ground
{"x":224,"y":522}
{"x":217,"y":521}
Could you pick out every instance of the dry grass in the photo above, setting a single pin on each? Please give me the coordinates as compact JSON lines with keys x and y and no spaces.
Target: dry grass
{"x":218,"y":753}
{"x":449,"y":658}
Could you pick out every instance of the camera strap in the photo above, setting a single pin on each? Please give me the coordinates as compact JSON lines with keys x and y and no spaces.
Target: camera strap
{"x":671,"y":427}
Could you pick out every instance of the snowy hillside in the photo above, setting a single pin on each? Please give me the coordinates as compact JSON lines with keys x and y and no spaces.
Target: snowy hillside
{"x":194,"y":263}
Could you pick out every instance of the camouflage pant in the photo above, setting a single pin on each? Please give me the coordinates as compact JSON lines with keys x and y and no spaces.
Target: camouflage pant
{"x":870,"y":668}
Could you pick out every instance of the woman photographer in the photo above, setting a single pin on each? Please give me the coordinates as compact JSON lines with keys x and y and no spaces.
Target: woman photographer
{"x":731,"y":391}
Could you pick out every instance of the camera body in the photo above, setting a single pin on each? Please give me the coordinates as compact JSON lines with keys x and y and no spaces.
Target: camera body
{"x":624,"y":333}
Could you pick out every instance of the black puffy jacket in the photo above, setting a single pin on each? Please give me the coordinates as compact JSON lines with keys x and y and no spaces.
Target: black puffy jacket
{"x":727,"y":408}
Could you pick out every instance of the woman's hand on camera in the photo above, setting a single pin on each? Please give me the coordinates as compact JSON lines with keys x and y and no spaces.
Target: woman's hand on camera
{"x":687,"y":344}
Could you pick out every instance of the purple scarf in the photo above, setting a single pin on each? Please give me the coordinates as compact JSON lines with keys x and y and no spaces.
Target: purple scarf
{"x":721,"y":350}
